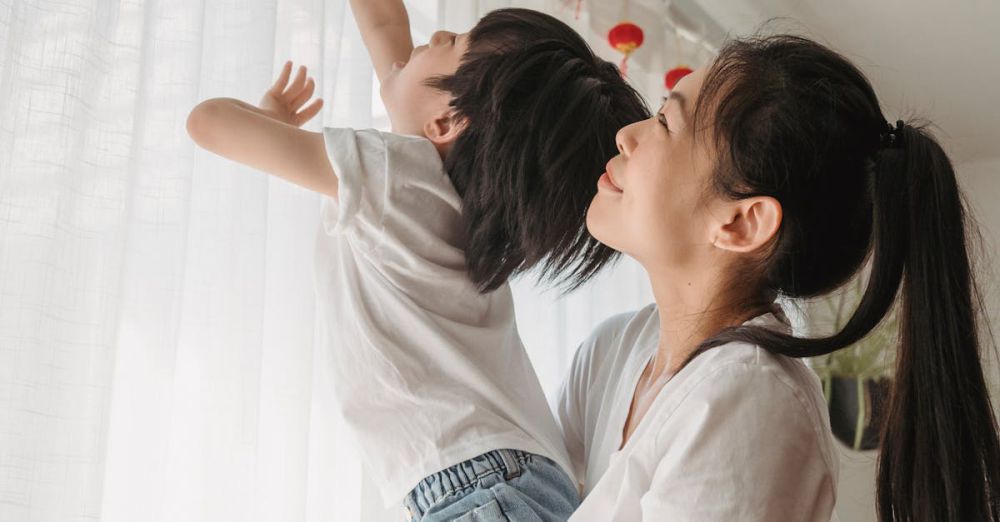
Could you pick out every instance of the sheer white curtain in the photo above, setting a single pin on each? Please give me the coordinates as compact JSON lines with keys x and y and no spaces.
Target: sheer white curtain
{"x":156,"y":301}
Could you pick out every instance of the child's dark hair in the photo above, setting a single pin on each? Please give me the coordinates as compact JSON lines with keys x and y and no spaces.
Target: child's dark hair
{"x":542,"y":112}
{"x":798,"y":122}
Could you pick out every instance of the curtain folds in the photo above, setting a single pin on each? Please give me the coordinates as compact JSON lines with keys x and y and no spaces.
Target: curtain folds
{"x":157,"y":319}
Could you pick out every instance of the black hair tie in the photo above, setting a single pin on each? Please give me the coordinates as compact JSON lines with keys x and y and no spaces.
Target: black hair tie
{"x":892,"y":138}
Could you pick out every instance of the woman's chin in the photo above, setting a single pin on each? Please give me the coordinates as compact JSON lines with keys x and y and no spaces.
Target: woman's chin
{"x":598,"y":227}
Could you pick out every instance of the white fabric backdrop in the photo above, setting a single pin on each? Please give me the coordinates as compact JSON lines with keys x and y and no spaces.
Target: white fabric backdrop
{"x":156,"y":301}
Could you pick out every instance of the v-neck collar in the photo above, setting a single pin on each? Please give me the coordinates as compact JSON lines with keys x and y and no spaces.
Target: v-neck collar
{"x":630,"y":398}
{"x":774,"y":317}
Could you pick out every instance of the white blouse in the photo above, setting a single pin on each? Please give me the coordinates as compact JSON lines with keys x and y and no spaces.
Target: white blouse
{"x":739,"y":434}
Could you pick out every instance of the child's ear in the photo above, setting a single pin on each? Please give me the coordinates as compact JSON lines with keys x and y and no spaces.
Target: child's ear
{"x":444,"y":128}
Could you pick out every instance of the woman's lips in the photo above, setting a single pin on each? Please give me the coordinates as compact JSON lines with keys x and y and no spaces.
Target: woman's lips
{"x":608,"y":182}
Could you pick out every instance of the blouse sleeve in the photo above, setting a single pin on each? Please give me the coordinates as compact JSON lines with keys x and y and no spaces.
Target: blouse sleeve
{"x":570,"y":412}
{"x":585,"y":387}
{"x":743,"y":445}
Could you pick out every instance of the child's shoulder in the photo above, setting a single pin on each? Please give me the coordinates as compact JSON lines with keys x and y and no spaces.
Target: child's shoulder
{"x":381,"y":135}
{"x":394,"y":151}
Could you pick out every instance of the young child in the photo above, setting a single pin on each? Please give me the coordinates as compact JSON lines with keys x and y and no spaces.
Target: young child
{"x":498,"y":138}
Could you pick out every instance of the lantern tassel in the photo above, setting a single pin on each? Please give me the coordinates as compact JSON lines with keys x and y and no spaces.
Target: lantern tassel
{"x":578,"y":4}
{"x":624,"y":65}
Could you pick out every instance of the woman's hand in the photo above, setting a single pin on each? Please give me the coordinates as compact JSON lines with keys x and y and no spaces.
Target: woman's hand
{"x":283,"y":103}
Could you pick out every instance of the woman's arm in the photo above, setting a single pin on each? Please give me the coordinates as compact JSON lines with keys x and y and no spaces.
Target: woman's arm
{"x":385,"y":28}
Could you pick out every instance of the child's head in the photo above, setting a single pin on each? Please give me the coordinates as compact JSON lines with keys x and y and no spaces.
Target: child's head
{"x":416,"y":108}
{"x":535,"y":113}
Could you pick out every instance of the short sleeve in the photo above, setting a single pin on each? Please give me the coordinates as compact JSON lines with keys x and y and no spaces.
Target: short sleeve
{"x":394,"y":197}
{"x":359,"y":160}
{"x":741,"y":446}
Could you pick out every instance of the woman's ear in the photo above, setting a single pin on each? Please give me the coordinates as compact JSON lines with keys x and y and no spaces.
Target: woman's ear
{"x":444,"y":128}
{"x":752,"y":223}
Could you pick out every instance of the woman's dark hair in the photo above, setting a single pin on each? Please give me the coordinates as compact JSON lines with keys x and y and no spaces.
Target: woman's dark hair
{"x":799,"y":123}
{"x":542,"y":112}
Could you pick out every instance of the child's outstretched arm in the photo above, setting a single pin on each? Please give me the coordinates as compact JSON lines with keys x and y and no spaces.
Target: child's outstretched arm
{"x":268,"y":137}
{"x":385,"y":28}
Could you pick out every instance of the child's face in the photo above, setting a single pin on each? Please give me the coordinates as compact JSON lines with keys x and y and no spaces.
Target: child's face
{"x":411,"y":104}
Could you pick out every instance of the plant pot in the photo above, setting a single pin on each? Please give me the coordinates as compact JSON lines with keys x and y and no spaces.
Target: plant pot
{"x":857,"y":410}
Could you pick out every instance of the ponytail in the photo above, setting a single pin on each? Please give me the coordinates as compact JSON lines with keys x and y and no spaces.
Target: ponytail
{"x":940,"y":458}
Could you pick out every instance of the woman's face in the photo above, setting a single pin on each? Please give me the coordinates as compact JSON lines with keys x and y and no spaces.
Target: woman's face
{"x":653,"y":203}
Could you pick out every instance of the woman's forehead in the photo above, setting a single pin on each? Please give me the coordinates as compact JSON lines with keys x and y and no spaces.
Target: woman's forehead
{"x":689,"y":85}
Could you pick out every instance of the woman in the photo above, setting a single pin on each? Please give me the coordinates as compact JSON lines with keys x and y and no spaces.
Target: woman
{"x":774,"y":173}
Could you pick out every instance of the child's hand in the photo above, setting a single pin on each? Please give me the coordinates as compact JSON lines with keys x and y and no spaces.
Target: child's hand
{"x":283,"y":104}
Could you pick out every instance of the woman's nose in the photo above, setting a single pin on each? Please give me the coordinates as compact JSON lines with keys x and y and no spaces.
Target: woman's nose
{"x":625,"y":139}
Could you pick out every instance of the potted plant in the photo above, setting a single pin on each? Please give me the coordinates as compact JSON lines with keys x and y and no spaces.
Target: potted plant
{"x":857,"y":379}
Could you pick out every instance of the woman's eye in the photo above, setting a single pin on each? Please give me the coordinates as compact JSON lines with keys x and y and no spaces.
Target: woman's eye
{"x":659,"y":115}
{"x":663,"y":120}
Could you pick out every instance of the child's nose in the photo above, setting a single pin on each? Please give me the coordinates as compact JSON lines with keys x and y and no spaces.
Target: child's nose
{"x":440,"y":37}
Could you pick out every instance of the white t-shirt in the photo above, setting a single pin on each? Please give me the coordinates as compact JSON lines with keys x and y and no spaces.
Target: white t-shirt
{"x":739,"y":434}
{"x":427,"y":372}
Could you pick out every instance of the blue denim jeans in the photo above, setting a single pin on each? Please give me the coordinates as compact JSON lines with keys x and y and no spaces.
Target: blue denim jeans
{"x":498,"y":486}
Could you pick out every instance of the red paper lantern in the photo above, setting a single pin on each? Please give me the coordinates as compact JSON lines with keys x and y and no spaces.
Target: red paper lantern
{"x":674,"y":75}
{"x":626,"y":37}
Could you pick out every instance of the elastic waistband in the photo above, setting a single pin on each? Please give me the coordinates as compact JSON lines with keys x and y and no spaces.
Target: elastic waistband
{"x":507,"y":463}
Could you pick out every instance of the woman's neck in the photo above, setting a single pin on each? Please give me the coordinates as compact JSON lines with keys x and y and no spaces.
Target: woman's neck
{"x":692,"y":307}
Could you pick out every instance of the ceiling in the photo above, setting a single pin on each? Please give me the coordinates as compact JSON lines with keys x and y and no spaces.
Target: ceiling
{"x":932,"y":59}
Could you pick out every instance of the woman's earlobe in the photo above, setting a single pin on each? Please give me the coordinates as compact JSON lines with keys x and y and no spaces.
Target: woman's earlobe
{"x":753,"y":224}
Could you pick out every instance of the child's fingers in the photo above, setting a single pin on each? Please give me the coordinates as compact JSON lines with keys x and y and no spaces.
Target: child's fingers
{"x":310,"y":111}
{"x":304,"y":95}
{"x":279,"y":84}
{"x":296,"y":85}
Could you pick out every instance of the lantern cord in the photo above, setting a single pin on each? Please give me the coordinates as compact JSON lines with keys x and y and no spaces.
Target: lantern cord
{"x":678,"y":38}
